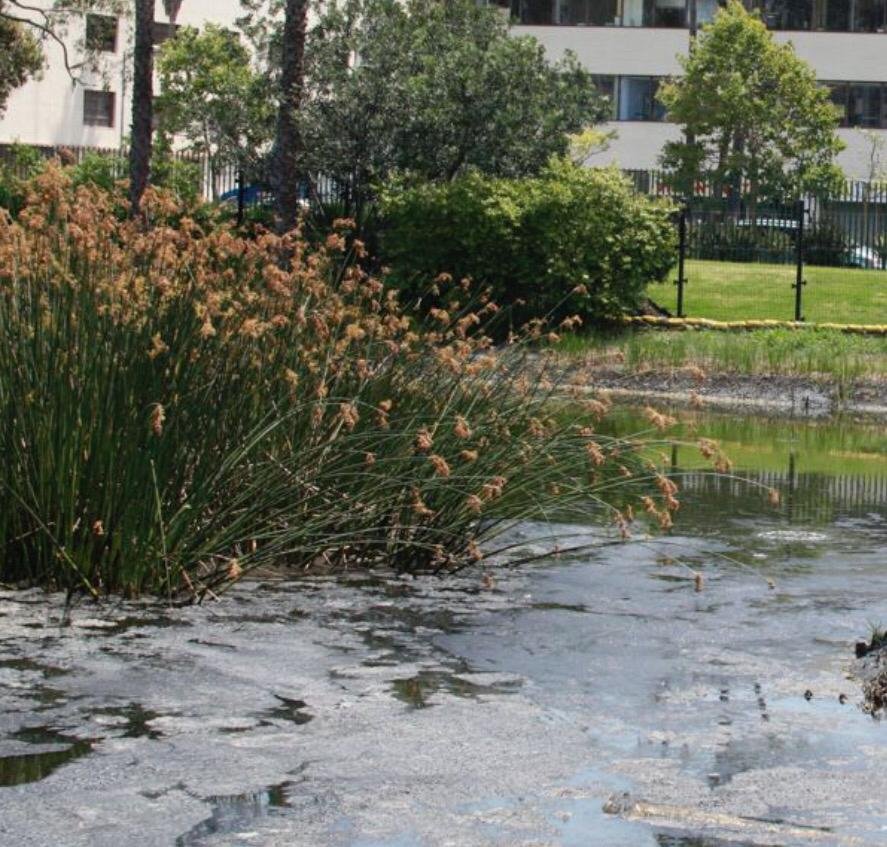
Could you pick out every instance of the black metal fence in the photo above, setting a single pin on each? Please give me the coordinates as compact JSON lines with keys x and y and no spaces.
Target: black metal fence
{"x":241,"y":185}
{"x":742,"y":258}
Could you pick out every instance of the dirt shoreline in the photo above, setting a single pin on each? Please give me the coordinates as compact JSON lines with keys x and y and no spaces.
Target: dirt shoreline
{"x":771,"y":395}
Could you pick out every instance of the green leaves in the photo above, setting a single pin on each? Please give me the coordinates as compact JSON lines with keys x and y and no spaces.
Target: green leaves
{"x":21,"y":56}
{"x":533,"y":240}
{"x":211,"y":95}
{"x":433,"y":90}
{"x":753,"y":110}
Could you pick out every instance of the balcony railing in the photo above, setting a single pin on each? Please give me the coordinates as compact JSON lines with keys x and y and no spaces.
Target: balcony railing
{"x":805,"y":15}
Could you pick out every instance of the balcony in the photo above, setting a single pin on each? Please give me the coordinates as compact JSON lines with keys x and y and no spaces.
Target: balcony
{"x":781,"y":15}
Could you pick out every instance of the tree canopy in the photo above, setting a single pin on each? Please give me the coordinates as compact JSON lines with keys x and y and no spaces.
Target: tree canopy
{"x":752,"y":109}
{"x":429,"y":90}
{"x":21,"y":55}
{"x":212,"y":96}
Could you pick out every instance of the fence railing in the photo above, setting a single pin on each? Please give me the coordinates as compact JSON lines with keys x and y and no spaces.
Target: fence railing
{"x":846,"y":227}
{"x":743,"y":258}
{"x":225,"y":181}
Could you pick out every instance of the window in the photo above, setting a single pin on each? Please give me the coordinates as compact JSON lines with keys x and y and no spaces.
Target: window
{"x":787,"y":14}
{"x":162,"y":32}
{"x":98,"y":108}
{"x":567,"y":12}
{"x":665,"y":13}
{"x":606,"y":87}
{"x":101,"y":33}
{"x":862,"y":104}
{"x":637,"y":99}
{"x":809,"y":15}
{"x":587,"y":12}
{"x":829,"y":15}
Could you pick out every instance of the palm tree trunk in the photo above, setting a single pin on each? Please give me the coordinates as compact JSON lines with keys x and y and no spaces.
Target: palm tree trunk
{"x":142,"y":103}
{"x":288,"y":143}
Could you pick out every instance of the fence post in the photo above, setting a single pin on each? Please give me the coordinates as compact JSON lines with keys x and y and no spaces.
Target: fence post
{"x":799,"y":262}
{"x":241,"y":196}
{"x":682,"y":255}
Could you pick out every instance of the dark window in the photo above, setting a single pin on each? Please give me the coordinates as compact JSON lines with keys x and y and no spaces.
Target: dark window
{"x":101,"y":33}
{"x":567,"y":12}
{"x":588,"y":12}
{"x":787,"y":14}
{"x":637,"y":99}
{"x":606,"y":86}
{"x":665,"y":13}
{"x":530,"y":12}
{"x":830,"y":15}
{"x":865,"y":105}
{"x":98,"y":108}
{"x":862,"y":104}
{"x":871,"y":16}
{"x":161,"y":32}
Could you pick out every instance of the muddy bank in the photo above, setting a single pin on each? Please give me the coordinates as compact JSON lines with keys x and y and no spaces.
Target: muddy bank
{"x":754,"y":394}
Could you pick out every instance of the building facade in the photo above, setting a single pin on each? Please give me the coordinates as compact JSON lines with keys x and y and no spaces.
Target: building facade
{"x":630,"y":45}
{"x":95,"y":111}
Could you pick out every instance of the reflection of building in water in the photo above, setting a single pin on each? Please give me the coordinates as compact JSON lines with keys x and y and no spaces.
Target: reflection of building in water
{"x":630,"y":45}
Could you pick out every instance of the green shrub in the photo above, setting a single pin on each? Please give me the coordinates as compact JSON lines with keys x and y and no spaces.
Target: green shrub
{"x":19,"y":164}
{"x":826,"y":244}
{"x":100,"y":169}
{"x":180,"y":177}
{"x":881,"y":249}
{"x":726,"y":242}
{"x":534,"y":241}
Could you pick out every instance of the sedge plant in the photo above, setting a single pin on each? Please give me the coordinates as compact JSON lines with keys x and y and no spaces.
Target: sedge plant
{"x":181,"y":403}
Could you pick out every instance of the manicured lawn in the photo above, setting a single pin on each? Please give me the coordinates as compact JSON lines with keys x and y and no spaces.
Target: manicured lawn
{"x":736,"y":291}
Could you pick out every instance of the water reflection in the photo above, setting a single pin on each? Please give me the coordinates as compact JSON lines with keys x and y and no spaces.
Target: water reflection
{"x":236,"y":813}
{"x":32,"y":767}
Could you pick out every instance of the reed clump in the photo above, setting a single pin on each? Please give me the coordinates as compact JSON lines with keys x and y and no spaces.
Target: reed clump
{"x":181,"y":404}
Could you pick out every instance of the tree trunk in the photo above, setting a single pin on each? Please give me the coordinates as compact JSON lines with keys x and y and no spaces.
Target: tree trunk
{"x":288,"y":143}
{"x":142,"y":103}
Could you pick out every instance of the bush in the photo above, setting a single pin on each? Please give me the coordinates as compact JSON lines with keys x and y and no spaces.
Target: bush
{"x":178,"y":176}
{"x":101,"y":170}
{"x":572,"y":240}
{"x":826,"y":244}
{"x":881,"y":249}
{"x":17,"y":166}
{"x":181,"y":404}
{"x":726,"y":242}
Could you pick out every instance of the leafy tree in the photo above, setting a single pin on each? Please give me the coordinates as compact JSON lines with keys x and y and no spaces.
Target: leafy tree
{"x":427,"y":89}
{"x":753,"y":111}
{"x":21,"y":55}
{"x":212,"y":96}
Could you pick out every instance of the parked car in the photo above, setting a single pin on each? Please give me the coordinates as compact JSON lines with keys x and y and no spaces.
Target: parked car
{"x":253,"y":195}
{"x":863,"y":257}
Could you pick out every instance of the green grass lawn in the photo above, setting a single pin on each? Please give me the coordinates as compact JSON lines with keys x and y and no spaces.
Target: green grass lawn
{"x":737,"y":291}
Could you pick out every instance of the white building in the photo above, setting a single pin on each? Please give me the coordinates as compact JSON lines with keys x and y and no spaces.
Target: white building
{"x":632,"y":44}
{"x":95,"y":111}
{"x":629,"y":44}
